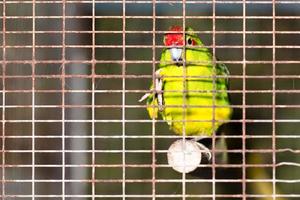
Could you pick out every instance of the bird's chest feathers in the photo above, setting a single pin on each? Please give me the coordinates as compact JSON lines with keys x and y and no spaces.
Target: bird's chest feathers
{"x":193,"y":80}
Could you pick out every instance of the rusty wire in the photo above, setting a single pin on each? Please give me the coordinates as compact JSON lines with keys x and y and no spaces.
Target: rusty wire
{"x":62,"y":76}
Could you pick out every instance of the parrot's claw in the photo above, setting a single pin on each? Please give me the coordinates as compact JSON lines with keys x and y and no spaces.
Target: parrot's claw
{"x":198,"y":138}
{"x":159,"y":94}
{"x":205,"y":150}
{"x":144,"y":97}
{"x":158,"y":88}
{"x":158,"y":91}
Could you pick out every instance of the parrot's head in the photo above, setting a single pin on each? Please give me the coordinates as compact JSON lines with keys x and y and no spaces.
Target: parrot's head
{"x":175,"y":40}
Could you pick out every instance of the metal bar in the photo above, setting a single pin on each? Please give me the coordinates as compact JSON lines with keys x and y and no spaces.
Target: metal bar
{"x":158,"y":121}
{"x":127,"y":92}
{"x":274,"y":102}
{"x":149,"y":151}
{"x":123,"y":98}
{"x":145,"y":106}
{"x":157,"y":17}
{"x":3,"y":177}
{"x":159,"y":181}
{"x":33,"y":101}
{"x":148,"y":32}
{"x":143,"y":91}
{"x":238,"y":196}
{"x":184,"y":96}
{"x":63,"y":85}
{"x":154,"y":82}
{"x":214,"y":16}
{"x":244,"y":186}
{"x":150,"y":46}
{"x":132,"y":76}
{"x":165,"y":136}
{"x":93,"y":100}
{"x":146,"y":62}
{"x":157,"y":2}
{"x":149,"y":165}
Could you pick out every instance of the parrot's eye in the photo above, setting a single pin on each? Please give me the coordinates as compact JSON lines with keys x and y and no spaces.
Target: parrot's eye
{"x":190,"y":41}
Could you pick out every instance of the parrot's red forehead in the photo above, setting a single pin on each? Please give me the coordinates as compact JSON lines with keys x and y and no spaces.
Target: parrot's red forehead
{"x":174,"y":38}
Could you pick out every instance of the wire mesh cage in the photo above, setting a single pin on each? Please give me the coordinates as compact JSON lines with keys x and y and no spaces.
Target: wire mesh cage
{"x":74,"y":71}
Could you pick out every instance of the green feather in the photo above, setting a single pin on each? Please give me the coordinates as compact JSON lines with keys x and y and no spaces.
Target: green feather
{"x":200,"y":83}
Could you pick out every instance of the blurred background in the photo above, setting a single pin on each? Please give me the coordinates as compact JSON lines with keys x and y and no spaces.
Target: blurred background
{"x":47,"y":53}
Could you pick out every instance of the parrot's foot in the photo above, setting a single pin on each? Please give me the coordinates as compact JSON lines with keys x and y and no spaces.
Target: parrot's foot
{"x":144,"y":97}
{"x":159,"y":89}
{"x":205,"y":150}
{"x":198,"y":138}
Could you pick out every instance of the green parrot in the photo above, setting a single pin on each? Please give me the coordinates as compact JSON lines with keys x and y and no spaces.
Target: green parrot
{"x":205,"y":105}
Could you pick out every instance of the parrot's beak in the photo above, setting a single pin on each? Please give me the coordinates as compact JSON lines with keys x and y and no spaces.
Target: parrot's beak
{"x":176,"y":54}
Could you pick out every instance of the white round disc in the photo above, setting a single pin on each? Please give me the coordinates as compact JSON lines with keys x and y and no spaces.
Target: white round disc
{"x":184,"y":156}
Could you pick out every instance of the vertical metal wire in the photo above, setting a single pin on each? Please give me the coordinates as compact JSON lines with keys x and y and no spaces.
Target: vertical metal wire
{"x":273,"y":101}
{"x":3,"y":94}
{"x":33,"y":101}
{"x":214,"y":100}
{"x":244,"y":105}
{"x":93,"y":101}
{"x":63,"y":97}
{"x":153,"y":80}
{"x":184,"y":112}
{"x":123,"y":98}
{"x":34,"y":149}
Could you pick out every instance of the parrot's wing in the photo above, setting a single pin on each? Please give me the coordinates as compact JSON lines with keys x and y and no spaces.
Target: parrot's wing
{"x":223,"y":71}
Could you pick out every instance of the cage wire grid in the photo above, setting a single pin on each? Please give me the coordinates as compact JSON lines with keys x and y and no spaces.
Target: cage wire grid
{"x":72,"y":74}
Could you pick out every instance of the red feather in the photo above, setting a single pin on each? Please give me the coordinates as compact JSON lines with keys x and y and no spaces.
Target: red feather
{"x":172,"y":39}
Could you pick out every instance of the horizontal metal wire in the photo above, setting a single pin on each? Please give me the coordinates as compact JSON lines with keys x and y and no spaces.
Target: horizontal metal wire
{"x":158,"y":196}
{"x":144,"y":91}
{"x":150,"y":17}
{"x":144,"y":32}
{"x":149,"y":181}
{"x":148,"y":46}
{"x":149,"y":151}
{"x":157,"y":2}
{"x":116,"y":61}
{"x":164,"y":136}
{"x":144,"y":106}
{"x":150,"y":121}
{"x":131,"y":76}
{"x":148,"y":165}
{"x":36,"y":147}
